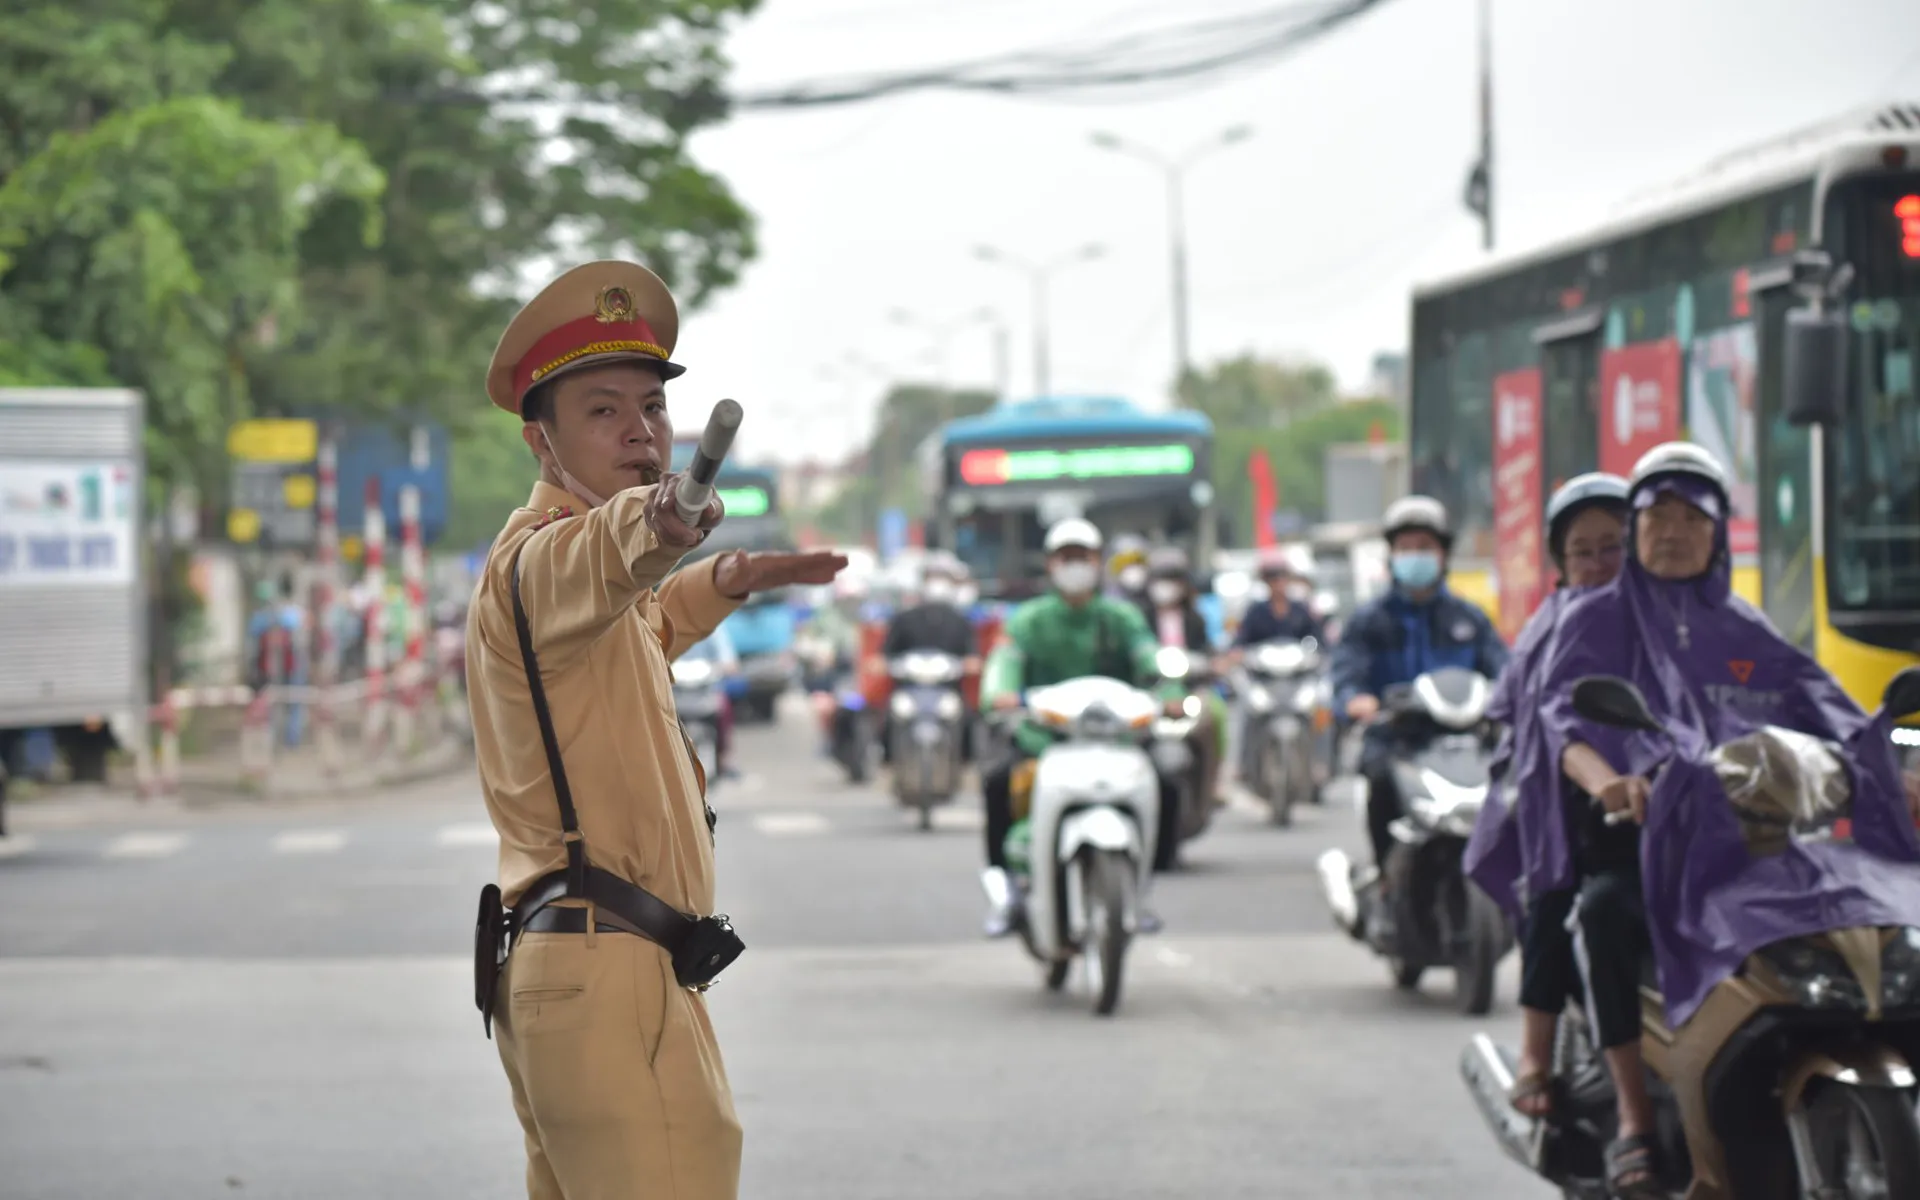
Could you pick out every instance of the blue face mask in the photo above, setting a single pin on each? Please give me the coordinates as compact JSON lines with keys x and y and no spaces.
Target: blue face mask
{"x":1416,"y":569}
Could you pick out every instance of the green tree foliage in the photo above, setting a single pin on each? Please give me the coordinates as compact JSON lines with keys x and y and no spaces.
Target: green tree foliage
{"x":267,"y":206}
{"x":1298,"y":458}
{"x":1255,"y":393}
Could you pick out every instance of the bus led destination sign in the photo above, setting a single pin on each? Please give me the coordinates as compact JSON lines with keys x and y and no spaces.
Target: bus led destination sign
{"x":990,"y":468}
{"x":744,"y":501}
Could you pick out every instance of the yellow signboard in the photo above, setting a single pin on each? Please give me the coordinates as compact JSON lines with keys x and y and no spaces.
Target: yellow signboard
{"x":243,"y":524}
{"x":274,"y":441}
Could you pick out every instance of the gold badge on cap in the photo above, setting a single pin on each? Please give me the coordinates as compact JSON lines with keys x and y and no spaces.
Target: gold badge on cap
{"x":615,"y":304}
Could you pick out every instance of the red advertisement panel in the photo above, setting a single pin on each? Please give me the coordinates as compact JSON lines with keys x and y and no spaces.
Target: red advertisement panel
{"x":1519,"y":557}
{"x":1639,"y":401}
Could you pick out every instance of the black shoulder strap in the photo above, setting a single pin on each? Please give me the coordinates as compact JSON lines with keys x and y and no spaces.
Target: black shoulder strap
{"x":569,"y":821}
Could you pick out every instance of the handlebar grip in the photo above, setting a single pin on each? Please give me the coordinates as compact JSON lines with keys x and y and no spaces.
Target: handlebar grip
{"x":696,"y":486}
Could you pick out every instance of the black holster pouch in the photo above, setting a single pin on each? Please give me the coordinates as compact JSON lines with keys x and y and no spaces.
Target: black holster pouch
{"x":492,"y":936}
{"x":708,"y":947}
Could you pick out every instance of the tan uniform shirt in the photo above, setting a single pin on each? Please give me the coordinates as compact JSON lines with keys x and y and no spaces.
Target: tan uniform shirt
{"x":603,"y":638}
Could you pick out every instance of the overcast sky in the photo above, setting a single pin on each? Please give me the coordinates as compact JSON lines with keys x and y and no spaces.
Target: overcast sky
{"x":1304,"y":239}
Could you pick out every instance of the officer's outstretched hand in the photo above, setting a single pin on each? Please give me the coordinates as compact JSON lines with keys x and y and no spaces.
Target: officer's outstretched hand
{"x":663,"y":515}
{"x":740,"y":574}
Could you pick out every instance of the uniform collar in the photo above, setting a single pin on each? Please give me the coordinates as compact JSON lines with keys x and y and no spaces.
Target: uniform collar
{"x":546,"y":496}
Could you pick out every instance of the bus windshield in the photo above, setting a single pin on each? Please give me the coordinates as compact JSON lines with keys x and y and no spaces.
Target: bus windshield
{"x":1874,"y":458}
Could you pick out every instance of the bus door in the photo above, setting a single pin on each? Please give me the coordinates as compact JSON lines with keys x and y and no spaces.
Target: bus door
{"x":1785,"y":498}
{"x":1570,"y":394}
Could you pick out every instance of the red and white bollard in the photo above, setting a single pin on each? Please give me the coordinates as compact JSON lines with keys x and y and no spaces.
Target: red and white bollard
{"x":326,"y":648}
{"x":413,"y":575}
{"x":374,"y":727}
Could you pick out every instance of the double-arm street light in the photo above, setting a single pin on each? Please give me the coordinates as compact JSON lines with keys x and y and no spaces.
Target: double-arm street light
{"x":1039,"y":275}
{"x":1175,"y":170}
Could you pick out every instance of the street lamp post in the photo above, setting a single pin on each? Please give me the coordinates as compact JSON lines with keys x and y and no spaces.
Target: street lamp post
{"x":1175,"y":170}
{"x":1038,"y":276}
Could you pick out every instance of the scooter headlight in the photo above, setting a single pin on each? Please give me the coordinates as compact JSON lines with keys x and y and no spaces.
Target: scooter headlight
{"x":1259,"y":699}
{"x":949,"y":706}
{"x":1816,"y":975}
{"x":1900,"y":970}
{"x":902,"y":705}
{"x":693,"y":672}
{"x":1447,"y":805}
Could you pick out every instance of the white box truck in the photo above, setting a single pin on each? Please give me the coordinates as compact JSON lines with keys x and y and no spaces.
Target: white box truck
{"x":73,"y":595}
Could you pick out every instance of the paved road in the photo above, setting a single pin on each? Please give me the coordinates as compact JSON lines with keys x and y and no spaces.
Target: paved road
{"x":274,"y":1001}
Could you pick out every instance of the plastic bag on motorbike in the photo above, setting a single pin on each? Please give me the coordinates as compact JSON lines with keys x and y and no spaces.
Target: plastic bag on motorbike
{"x":1784,"y":785}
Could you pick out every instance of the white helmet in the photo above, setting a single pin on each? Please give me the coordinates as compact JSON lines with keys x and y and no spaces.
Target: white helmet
{"x":1681,"y":458}
{"x":1074,"y":531}
{"x":1575,"y":496}
{"x":1417,"y":512}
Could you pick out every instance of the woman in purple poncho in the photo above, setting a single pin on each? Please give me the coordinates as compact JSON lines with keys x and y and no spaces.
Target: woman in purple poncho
{"x":1712,"y":669}
{"x":1517,"y":854}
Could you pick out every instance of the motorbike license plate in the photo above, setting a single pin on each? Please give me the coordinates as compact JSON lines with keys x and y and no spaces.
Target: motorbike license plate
{"x":928,"y":735}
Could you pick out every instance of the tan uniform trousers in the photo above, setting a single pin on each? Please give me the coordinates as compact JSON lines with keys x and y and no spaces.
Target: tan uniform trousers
{"x":616,"y":1074}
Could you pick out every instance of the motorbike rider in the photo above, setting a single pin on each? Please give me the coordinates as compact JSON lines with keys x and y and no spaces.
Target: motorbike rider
{"x":1416,"y":627}
{"x":1176,"y":621}
{"x":1070,"y":632}
{"x":834,"y":626}
{"x":1586,"y":542}
{"x":1127,"y":569}
{"x":1286,"y":615}
{"x":1711,"y":669}
{"x":936,"y":623}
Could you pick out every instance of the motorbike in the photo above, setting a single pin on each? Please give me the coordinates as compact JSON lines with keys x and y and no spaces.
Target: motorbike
{"x":697,"y":697}
{"x":1430,"y":914}
{"x":1284,"y":696}
{"x":1174,"y":756}
{"x":1794,"y":1079}
{"x":1080,"y":858}
{"x":926,"y":730}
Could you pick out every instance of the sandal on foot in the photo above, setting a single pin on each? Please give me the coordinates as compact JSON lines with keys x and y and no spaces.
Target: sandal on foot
{"x":1630,"y":1173}
{"x":1529,"y":1089}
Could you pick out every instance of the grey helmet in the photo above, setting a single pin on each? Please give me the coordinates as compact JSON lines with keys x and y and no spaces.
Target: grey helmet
{"x":1417,"y":512}
{"x":1577,"y":494}
{"x":1680,"y":458}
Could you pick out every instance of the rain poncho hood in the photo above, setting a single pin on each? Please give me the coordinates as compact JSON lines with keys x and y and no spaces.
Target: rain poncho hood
{"x":1712,"y":668}
{"x":1519,"y":845}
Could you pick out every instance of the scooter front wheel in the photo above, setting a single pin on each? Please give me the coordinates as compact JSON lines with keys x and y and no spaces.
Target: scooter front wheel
{"x":1865,"y":1140}
{"x":1109,"y":884}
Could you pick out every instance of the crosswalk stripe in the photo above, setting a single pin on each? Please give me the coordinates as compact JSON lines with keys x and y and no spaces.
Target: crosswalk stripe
{"x":790,"y":824}
{"x":473,"y":833}
{"x":959,"y":818}
{"x":18,"y":844}
{"x":145,"y":845}
{"x":309,"y":841}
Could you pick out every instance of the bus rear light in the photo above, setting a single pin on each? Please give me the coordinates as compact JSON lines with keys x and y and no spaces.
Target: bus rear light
{"x":1893,"y":157}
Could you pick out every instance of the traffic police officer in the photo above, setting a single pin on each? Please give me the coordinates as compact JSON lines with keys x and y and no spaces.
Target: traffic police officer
{"x":606,"y":853}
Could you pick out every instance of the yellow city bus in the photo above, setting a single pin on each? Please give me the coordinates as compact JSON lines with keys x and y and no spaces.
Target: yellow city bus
{"x":1670,"y":321}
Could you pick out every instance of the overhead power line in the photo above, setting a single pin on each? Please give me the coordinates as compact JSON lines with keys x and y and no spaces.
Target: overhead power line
{"x":1210,"y":49}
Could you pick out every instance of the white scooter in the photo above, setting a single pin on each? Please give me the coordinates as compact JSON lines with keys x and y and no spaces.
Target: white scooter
{"x":1091,"y":828}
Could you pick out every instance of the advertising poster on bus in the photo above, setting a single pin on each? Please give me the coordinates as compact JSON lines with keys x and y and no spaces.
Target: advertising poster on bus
{"x":1639,"y":401}
{"x":1518,"y":560}
{"x":1720,"y":375}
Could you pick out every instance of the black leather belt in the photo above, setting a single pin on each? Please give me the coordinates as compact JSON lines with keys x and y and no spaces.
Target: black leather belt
{"x":565,"y":920}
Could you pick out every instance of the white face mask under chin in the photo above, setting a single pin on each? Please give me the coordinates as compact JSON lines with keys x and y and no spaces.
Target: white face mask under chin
{"x":1165,"y":593}
{"x":566,"y":477}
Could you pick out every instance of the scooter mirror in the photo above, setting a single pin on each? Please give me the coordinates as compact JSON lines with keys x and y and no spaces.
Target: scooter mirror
{"x":1610,"y":700}
{"x":1902,"y":697}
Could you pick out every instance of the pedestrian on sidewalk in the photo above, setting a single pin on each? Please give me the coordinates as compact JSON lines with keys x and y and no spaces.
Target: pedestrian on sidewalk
{"x":606,"y":851}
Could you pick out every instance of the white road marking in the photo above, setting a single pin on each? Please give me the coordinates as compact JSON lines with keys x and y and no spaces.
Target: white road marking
{"x":472,"y":833}
{"x":1172,"y":958}
{"x":799,"y":824}
{"x":145,"y":845}
{"x":309,"y":841}
{"x":15,"y":846}
{"x":1243,"y":800}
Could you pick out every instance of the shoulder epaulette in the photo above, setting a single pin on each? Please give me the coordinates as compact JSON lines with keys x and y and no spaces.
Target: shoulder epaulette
{"x":556,"y":513}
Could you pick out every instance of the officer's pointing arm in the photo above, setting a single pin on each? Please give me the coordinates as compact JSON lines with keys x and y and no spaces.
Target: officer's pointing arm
{"x":579,"y":574}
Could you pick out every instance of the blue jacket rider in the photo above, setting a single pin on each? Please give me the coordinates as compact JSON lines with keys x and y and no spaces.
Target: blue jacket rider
{"x":1418,"y":626}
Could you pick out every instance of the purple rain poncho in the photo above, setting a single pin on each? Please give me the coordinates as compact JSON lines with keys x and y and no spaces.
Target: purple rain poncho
{"x":1713,"y":668}
{"x":1519,"y":845}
